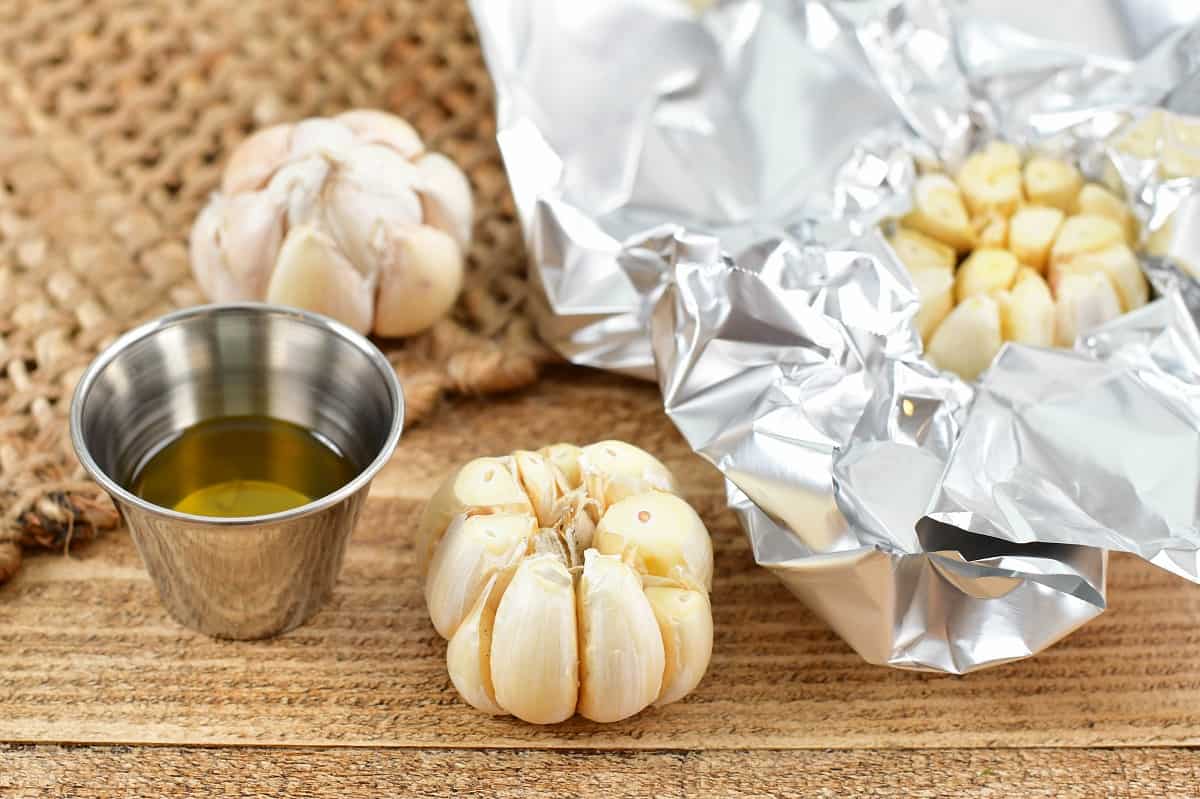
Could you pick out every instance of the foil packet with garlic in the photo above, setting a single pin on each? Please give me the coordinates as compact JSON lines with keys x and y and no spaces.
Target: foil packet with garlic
{"x":937,"y":521}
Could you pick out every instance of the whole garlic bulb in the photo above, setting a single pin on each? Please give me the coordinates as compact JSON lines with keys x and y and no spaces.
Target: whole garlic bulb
{"x":568,"y":580}
{"x":347,"y":216}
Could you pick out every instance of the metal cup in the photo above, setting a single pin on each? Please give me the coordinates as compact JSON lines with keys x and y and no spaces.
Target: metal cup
{"x":255,"y":576}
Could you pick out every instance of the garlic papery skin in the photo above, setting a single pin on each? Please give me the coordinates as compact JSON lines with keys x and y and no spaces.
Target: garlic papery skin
{"x":472,"y":551}
{"x":553,"y":607}
{"x":622,"y":657}
{"x":387,"y":224}
{"x":685,"y":622}
{"x":544,"y":484}
{"x":614,"y":470}
{"x":535,"y":650}
{"x":661,"y":534}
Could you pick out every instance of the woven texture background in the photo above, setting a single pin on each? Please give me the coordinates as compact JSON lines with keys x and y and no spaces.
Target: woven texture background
{"x":115,"y":120}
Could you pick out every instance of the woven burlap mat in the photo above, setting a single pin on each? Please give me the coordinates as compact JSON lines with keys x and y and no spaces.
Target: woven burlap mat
{"x":115,"y":120}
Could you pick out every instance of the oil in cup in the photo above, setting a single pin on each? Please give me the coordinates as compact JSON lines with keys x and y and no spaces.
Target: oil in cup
{"x":239,"y":466}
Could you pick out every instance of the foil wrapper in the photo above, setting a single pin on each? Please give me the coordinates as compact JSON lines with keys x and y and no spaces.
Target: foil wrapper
{"x":622,"y":122}
{"x":719,"y":172}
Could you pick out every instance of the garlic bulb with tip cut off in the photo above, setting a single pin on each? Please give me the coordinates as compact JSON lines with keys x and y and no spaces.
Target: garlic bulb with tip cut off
{"x":347,"y":216}
{"x":568,"y":580}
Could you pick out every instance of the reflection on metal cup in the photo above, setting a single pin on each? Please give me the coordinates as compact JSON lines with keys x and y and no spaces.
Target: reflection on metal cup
{"x":247,"y":577}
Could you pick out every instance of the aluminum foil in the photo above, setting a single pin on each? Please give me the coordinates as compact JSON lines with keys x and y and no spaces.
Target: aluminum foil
{"x":720,"y":171}
{"x":622,"y":121}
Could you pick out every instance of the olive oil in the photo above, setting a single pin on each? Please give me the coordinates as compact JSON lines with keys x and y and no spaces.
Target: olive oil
{"x":242,"y":466}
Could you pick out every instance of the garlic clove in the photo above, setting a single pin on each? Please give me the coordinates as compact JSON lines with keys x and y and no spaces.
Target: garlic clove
{"x":481,"y":486}
{"x":1083,"y":301}
{"x":566,"y":458}
{"x":250,"y":239}
{"x":320,"y":136}
{"x":310,"y":273}
{"x":419,"y":281}
{"x":446,"y":197}
{"x":622,"y":659}
{"x":298,"y":188}
{"x":1121,"y":266}
{"x":472,"y":550}
{"x":535,"y":651}
{"x":543,"y":483}
{"x":380,"y":127}
{"x":968,"y":338}
{"x":614,"y":470}
{"x":685,"y":621}
{"x":938,"y":212}
{"x":660,"y":534}
{"x":469,"y":653}
{"x":208,"y":258}
{"x":254,"y":160}
{"x":368,"y":204}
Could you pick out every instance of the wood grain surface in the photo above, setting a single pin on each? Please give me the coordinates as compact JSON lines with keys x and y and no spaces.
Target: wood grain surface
{"x":102,"y":772}
{"x":87,"y":655}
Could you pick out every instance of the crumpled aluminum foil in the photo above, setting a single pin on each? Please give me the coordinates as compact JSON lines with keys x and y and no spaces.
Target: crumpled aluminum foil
{"x":935,"y":525}
{"x":622,"y":121}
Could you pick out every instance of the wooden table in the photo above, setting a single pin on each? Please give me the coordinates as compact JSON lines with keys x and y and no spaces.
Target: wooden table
{"x":101,"y":694}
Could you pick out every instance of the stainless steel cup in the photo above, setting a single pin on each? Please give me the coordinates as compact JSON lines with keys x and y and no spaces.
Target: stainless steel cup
{"x":256,"y":576}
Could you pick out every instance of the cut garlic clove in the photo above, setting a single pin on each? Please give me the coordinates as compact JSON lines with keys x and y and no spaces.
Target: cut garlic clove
{"x":991,"y":180}
{"x":481,"y":486}
{"x":685,"y":623}
{"x":1084,"y":233}
{"x":380,"y":127}
{"x":935,"y":291}
{"x":1122,"y":268}
{"x":985,"y":271}
{"x":622,"y":659}
{"x":1095,"y":199}
{"x":1027,"y":312}
{"x":992,"y":229}
{"x":311,"y":274}
{"x":614,"y":470}
{"x":1084,"y":301}
{"x":543,"y":483}
{"x":446,"y":197}
{"x":419,"y":282}
{"x":254,"y":160}
{"x":469,"y":653}
{"x":566,"y":458}
{"x":1032,"y":232}
{"x":1052,"y":182}
{"x":473,"y":549}
{"x":1144,"y":138}
{"x":535,"y":649}
{"x":919,"y":252}
{"x":969,"y":338}
{"x":660,"y":534}
{"x":938,"y":212}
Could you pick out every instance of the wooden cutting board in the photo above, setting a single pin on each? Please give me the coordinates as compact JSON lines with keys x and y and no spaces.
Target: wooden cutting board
{"x":87,"y":656}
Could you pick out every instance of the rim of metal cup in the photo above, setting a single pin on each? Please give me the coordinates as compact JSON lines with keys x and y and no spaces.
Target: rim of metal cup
{"x":153,"y":327}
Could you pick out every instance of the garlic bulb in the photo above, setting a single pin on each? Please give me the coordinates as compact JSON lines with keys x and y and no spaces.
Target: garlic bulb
{"x":346,"y":216}
{"x":568,"y":580}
